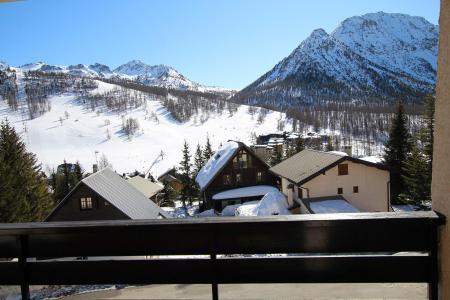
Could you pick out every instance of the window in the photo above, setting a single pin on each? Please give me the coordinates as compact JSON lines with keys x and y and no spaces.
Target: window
{"x":106,"y":203}
{"x":355,"y":189}
{"x":227,"y":179}
{"x":242,"y":160}
{"x":343,"y":169}
{"x":340,"y":191}
{"x":86,"y":203}
{"x":238,"y":178}
{"x":300,"y":193}
{"x":259,"y":176}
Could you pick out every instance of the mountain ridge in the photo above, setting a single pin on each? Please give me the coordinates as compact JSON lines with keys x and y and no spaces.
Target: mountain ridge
{"x":374,"y":56}
{"x":152,"y":75}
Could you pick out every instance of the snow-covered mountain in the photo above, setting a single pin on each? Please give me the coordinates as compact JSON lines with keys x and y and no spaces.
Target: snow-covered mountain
{"x":157,"y":75}
{"x":379,"y":55}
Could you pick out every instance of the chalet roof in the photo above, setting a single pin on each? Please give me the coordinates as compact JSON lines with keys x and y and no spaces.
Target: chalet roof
{"x":219,"y":160}
{"x":216,"y":163}
{"x":120,"y":194}
{"x":307,"y":164}
{"x":123,"y":195}
{"x":145,"y":186}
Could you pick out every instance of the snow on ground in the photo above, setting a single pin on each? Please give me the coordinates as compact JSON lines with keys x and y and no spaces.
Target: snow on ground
{"x":85,"y":132}
{"x":179,"y":211}
{"x":404,"y":207}
{"x":332,"y":206}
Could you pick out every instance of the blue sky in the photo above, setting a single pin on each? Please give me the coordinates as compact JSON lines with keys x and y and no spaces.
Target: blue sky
{"x":225,"y":43}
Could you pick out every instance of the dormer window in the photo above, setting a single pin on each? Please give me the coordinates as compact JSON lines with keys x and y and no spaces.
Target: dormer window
{"x":242,"y":160}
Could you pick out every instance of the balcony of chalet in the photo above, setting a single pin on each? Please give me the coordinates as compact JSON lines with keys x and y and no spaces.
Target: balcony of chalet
{"x":292,"y":252}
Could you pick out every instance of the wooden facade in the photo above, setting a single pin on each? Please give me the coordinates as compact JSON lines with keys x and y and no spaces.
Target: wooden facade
{"x":242,"y":170}
{"x":71,"y":209}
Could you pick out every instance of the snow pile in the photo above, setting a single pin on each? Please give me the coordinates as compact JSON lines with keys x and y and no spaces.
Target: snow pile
{"x":207,"y":213}
{"x":332,"y":206}
{"x":248,"y":209}
{"x":245,"y":192}
{"x":230,"y":210}
{"x":216,"y":163}
{"x":404,"y":207}
{"x":179,"y":211}
{"x":273,"y":203}
{"x":372,"y":159}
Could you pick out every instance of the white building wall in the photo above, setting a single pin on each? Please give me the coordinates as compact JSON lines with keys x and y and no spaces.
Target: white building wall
{"x":372,"y":183}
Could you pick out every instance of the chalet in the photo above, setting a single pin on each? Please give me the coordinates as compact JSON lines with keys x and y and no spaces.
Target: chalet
{"x":170,"y":177}
{"x":233,"y":175}
{"x":105,"y":195}
{"x":311,"y":176}
{"x":147,"y":187}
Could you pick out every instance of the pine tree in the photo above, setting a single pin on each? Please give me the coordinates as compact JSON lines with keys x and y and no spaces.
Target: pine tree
{"x":185,"y":171}
{"x":426,"y":133}
{"x":168,"y":195}
{"x":198,"y":159}
{"x":299,"y":145}
{"x":207,"y":152}
{"x":290,"y":151}
{"x":329,"y":146}
{"x":78,"y":171}
{"x":277,"y":156}
{"x":65,"y":179}
{"x":416,"y":179}
{"x":24,"y":192}
{"x":417,"y":168}
{"x":396,"y":151}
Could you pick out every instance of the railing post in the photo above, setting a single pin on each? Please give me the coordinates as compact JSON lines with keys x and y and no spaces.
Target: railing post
{"x":434,"y":280}
{"x":214,"y":285}
{"x":24,"y":285}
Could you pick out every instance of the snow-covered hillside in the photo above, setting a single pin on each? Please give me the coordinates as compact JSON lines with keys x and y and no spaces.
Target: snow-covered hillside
{"x":376,"y":56}
{"x":136,"y":70}
{"x":73,"y":132}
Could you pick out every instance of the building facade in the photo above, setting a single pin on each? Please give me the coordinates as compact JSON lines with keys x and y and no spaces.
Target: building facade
{"x":315,"y":174}
{"x":232,"y":168}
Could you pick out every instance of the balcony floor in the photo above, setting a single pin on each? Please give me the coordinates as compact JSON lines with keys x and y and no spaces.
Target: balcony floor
{"x":266,"y":291}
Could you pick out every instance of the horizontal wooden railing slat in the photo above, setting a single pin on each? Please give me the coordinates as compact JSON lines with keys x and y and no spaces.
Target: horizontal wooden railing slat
{"x":243,"y":270}
{"x":328,"y":248}
{"x":374,"y":233}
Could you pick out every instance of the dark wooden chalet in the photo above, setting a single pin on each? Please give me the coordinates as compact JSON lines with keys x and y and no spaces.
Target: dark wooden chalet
{"x":234,"y":168}
{"x":105,"y":195}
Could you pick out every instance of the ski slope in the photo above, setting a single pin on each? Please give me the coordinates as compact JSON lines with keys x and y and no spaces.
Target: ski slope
{"x":84,"y":133}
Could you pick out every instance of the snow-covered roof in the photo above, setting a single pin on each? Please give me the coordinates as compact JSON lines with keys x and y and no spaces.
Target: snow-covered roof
{"x":328,"y":205}
{"x":245,"y":192}
{"x":216,"y":163}
{"x":145,"y":186}
{"x":339,"y":153}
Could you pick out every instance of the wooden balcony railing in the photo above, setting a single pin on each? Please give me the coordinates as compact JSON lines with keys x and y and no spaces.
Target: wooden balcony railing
{"x":347,"y":247}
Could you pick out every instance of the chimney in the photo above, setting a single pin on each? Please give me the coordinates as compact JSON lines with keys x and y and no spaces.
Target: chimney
{"x":94,"y":168}
{"x":347,"y":149}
